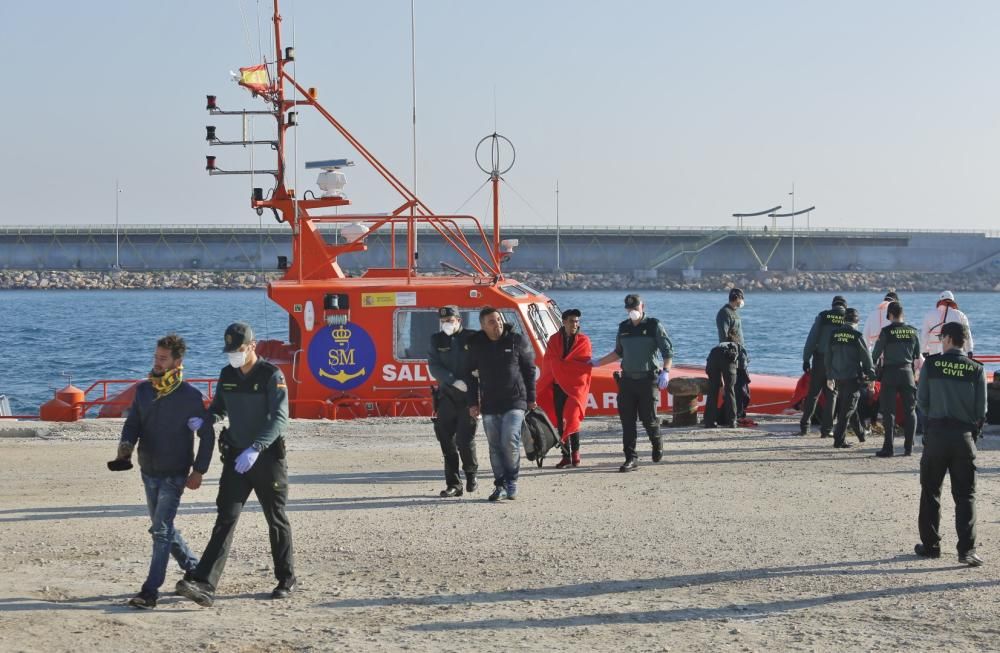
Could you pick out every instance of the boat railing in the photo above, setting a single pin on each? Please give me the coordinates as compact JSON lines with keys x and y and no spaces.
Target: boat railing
{"x":101,"y":387}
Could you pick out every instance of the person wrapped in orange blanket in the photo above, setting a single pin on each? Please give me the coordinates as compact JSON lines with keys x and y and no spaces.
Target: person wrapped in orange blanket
{"x":564,"y":385}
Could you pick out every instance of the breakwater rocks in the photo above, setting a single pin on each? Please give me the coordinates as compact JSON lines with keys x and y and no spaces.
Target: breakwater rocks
{"x":758,"y":281}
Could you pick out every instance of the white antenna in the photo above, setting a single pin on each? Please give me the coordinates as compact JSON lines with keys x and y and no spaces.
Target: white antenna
{"x":413,"y":88}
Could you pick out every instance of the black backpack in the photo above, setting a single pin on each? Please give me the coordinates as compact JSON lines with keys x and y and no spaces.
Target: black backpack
{"x":538,"y":435}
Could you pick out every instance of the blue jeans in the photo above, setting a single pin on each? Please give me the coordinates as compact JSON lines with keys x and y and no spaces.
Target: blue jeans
{"x":503,"y":433}
{"x":163,"y":496}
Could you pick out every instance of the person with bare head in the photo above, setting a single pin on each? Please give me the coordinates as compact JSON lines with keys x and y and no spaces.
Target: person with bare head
{"x":165,"y":415}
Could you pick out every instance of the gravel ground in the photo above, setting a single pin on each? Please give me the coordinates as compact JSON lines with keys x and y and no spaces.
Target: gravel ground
{"x":745,"y":540}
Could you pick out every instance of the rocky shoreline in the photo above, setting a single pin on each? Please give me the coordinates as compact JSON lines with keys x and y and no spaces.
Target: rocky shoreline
{"x":978,"y":281}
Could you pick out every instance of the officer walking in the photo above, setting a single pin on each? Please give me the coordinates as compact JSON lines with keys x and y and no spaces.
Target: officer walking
{"x":252,"y":393}
{"x":641,"y":345}
{"x":952,"y":394}
{"x":848,"y":366}
{"x":898,"y":347}
{"x":454,"y":427}
{"x":813,"y":361}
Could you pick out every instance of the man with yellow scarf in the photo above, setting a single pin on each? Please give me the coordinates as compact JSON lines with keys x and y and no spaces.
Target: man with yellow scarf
{"x":164,"y":417}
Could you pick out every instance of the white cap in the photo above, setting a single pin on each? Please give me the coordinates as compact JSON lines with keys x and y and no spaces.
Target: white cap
{"x":946,"y":295}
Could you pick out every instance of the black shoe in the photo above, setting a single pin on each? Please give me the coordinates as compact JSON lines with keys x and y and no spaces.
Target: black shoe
{"x":863,"y":436}
{"x":824,"y":434}
{"x":198,"y":591}
{"x":284,"y":589}
{"x":471,"y":484}
{"x":884,"y":453}
{"x":629,"y":466}
{"x":498,"y":493}
{"x":803,"y":429}
{"x":908,"y":451}
{"x":657,"y":450}
{"x":841,"y":445}
{"x":709,"y":426}
{"x":142,"y":601}
{"x":968,"y":558}
{"x":452,"y":491}
{"x":929,"y":551}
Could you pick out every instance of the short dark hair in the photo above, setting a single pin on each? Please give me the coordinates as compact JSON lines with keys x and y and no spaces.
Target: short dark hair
{"x":956,"y":331}
{"x":487,"y":310}
{"x":892,"y":296}
{"x":838,"y":300}
{"x":894,"y":309}
{"x":851,"y":316}
{"x":174,"y":343}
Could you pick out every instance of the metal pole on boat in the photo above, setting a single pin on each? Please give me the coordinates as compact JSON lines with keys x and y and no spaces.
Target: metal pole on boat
{"x":793,"y":226}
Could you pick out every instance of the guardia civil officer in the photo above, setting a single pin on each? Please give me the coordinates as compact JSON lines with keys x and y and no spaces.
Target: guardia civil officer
{"x":898,"y":347}
{"x":454,"y":427}
{"x":813,"y":361}
{"x":952,"y":394}
{"x":727,"y":321}
{"x":252,"y":393}
{"x":646,"y":353}
{"x":849,"y":366}
{"x":721,"y":369}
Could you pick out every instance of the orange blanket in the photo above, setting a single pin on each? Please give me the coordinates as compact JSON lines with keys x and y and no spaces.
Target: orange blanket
{"x":572,"y":374}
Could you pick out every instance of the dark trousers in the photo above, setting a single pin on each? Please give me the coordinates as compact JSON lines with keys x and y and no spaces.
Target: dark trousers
{"x":953,"y":452}
{"x":742,"y":384}
{"x":817,"y":384}
{"x":637,"y":399}
{"x":268,"y":480}
{"x":848,"y":392}
{"x":898,"y":381}
{"x":721,"y":374}
{"x":559,"y":399}
{"x":456,"y":432}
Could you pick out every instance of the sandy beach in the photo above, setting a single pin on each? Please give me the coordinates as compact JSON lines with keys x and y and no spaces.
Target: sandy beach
{"x":748,"y":540}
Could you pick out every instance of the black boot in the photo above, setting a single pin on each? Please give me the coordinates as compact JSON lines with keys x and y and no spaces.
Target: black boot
{"x":470,"y":482}
{"x":657,"y":443}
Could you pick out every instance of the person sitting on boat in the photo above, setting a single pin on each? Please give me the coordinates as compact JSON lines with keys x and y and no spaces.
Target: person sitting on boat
{"x":848,"y":365}
{"x":564,"y":385}
{"x":642,"y":345}
{"x":500,"y":376}
{"x":946,"y":311}
{"x":877,"y":320}
{"x":454,"y":427}
{"x":164,"y":417}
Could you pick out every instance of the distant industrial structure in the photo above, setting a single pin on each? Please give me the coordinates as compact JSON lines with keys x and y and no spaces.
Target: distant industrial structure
{"x":642,"y":251}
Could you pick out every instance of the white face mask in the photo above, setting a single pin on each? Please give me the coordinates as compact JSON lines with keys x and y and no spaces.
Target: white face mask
{"x":449,"y":328}
{"x":742,"y":304}
{"x":237,"y":358}
{"x":634,"y":315}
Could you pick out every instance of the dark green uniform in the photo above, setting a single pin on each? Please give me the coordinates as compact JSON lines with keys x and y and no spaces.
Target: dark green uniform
{"x":898,"y":346}
{"x":813,"y":359}
{"x":849,"y":364}
{"x":454,"y":427}
{"x":643,"y":348}
{"x":952,"y":396}
{"x":257,"y":407}
{"x":727,"y":321}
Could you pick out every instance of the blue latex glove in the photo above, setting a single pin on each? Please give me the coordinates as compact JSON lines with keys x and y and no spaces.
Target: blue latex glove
{"x":245,"y":460}
{"x":594,"y":362}
{"x":195,"y":423}
{"x":663,"y":380}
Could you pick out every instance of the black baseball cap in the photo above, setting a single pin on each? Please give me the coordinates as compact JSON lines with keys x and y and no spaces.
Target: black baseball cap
{"x":892,"y":296}
{"x":632,"y":300}
{"x":448,"y":311}
{"x":735,"y":293}
{"x":237,"y":335}
{"x":838,"y":300}
{"x":571,"y":312}
{"x":851,"y":316}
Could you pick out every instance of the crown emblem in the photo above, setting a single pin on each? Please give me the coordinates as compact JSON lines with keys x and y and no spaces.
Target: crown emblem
{"x":341,"y":335}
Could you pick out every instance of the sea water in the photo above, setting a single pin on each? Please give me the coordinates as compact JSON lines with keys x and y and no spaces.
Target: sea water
{"x":48,"y":335}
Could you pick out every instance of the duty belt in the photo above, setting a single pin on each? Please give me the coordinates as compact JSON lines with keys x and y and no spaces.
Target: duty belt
{"x":949,"y":424}
{"x":649,"y":374}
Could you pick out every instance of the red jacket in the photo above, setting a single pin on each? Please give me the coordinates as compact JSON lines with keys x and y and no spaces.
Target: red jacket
{"x":572,"y":374}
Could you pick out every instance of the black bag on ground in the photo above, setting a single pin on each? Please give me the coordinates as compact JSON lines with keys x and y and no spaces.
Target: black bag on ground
{"x":538,"y":435}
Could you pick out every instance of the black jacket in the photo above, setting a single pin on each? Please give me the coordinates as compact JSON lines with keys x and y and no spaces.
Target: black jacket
{"x":166,"y":444}
{"x":506,"y":367}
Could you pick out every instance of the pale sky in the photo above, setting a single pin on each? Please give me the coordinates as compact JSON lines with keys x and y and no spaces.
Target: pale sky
{"x":883,"y":114}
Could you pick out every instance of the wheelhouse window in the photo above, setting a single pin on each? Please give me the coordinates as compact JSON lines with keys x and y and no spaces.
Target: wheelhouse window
{"x":414,"y":328}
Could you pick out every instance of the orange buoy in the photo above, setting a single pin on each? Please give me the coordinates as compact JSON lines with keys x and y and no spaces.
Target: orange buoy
{"x":57,"y":410}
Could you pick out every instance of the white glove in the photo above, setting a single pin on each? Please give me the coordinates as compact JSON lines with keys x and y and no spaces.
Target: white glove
{"x":663,"y":380}
{"x":460,"y":385}
{"x":245,"y":460}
